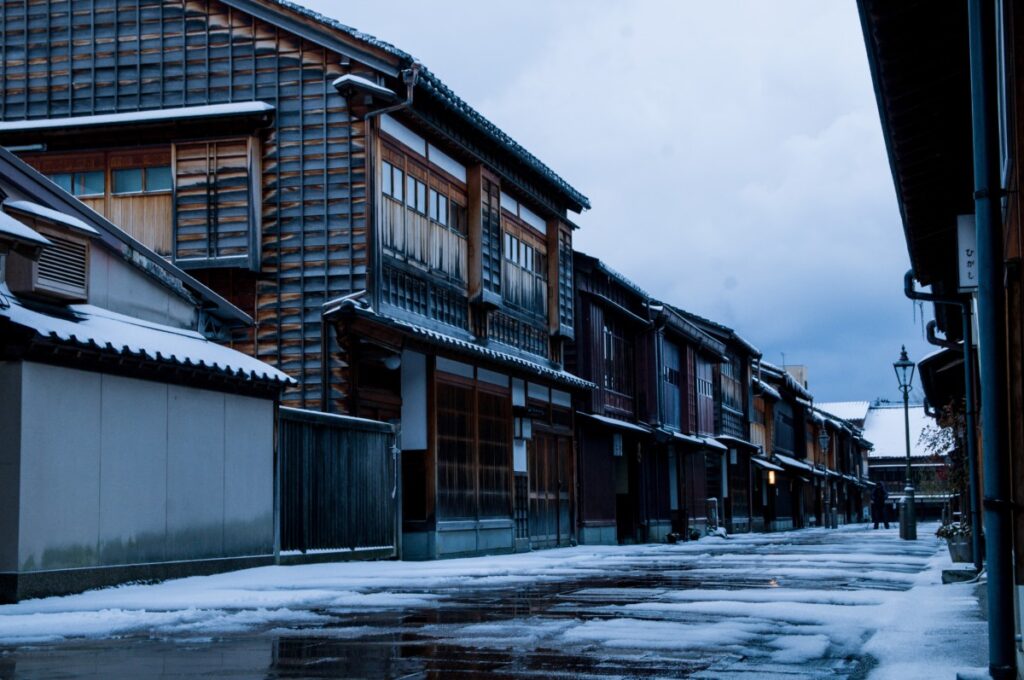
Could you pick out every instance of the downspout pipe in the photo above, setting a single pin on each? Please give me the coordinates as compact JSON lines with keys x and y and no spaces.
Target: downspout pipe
{"x":981,"y":25}
{"x":410,"y":77}
{"x":965,"y":305}
{"x":934,"y":339}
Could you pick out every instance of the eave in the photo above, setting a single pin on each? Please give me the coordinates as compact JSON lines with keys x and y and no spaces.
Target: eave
{"x":918,"y":56}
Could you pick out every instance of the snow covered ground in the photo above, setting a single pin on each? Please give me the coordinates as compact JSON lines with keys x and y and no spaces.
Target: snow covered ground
{"x":812,"y":603}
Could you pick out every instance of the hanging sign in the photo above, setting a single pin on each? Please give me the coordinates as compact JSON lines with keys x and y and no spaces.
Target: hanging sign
{"x":967,"y":252}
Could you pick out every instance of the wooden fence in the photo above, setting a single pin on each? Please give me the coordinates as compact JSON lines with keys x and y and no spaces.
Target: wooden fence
{"x":338,"y":484}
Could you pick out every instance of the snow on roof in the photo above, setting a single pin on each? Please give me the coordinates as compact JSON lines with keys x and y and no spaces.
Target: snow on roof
{"x":615,"y":422}
{"x":884,"y":427}
{"x":152,"y":115}
{"x":847,"y":410}
{"x":49,"y":214}
{"x":363,"y":83}
{"x":433,"y":85}
{"x":766,"y":389}
{"x":12,"y":228}
{"x":93,"y":326}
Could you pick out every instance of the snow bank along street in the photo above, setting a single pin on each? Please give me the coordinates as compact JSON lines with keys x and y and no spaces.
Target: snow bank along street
{"x":807,"y":603}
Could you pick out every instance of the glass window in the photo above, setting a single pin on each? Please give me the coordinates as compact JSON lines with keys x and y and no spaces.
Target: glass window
{"x":127,"y":181}
{"x":89,"y":183}
{"x":442,"y":210}
{"x":158,"y":178}
{"x":386,"y":176}
{"x":421,"y":197}
{"x":63,"y":180}
{"x":432,"y":210}
{"x":410,"y":191}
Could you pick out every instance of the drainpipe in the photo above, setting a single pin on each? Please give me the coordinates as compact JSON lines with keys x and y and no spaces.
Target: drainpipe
{"x":410,"y":77}
{"x":965,"y":304}
{"x":991,"y":341}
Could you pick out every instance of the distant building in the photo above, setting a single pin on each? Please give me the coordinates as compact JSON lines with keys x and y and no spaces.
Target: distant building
{"x":884,"y":426}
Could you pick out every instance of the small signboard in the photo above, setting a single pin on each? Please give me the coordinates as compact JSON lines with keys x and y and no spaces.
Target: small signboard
{"x":967,"y":252}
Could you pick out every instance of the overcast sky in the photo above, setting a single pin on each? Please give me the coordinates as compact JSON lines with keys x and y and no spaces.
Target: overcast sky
{"x":731,"y":150}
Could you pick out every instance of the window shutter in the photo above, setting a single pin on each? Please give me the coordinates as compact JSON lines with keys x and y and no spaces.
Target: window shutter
{"x":215,"y":211}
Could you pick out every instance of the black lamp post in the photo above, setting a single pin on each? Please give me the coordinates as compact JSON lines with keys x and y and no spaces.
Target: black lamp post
{"x":908,"y":517}
{"x":830,"y":520}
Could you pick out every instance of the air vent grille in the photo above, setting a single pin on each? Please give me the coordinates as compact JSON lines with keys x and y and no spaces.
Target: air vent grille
{"x":63,"y":264}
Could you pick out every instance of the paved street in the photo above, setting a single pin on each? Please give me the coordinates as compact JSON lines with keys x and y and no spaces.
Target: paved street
{"x":796,"y":604}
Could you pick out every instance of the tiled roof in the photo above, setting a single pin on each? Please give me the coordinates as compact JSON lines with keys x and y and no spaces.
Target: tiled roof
{"x":88,"y":326}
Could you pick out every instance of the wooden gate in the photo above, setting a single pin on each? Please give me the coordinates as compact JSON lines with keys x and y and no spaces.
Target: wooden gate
{"x":337,"y":484}
{"x":550,"y":471}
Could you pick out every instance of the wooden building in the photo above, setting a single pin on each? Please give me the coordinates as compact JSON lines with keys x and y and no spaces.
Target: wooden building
{"x":623,"y":491}
{"x":948,"y":87}
{"x":653,"y":457}
{"x":402,"y":258}
{"x":134,"y":446}
{"x":733,"y":403}
{"x":790,"y":504}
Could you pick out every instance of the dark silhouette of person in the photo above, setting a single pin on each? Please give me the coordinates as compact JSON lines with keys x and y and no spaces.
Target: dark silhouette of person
{"x":879,"y":496}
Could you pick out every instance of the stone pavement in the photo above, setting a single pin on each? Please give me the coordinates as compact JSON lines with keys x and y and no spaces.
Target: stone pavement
{"x":849,"y":603}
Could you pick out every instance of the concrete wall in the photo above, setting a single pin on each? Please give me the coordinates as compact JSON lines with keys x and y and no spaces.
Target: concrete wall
{"x":123,"y":288}
{"x":117,"y":471}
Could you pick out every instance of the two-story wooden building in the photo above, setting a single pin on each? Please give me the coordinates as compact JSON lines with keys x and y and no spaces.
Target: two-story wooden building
{"x":402,"y":257}
{"x":733,"y":402}
{"x":623,"y":495}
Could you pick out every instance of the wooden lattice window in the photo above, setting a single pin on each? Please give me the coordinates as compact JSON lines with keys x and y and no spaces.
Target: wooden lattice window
{"x":495,"y":436}
{"x":565,"y":278}
{"x":490,"y":238}
{"x":424,"y":216}
{"x":215,"y":202}
{"x":617,"y":354}
{"x":456,"y":478}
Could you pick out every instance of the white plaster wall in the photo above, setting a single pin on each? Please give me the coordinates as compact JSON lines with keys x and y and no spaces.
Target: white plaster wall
{"x":117,"y":470}
{"x":121,"y":287}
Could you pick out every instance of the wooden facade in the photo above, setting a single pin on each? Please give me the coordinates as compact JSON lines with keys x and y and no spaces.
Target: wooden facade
{"x":223,"y":135}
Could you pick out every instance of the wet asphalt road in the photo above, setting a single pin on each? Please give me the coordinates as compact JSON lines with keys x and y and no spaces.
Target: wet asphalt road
{"x":646,"y":612}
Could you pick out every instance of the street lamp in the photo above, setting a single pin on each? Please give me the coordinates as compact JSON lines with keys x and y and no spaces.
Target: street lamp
{"x":908,"y":517}
{"x":823,"y":443}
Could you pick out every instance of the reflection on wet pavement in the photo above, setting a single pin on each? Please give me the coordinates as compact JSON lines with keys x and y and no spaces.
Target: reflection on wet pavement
{"x":797,"y":604}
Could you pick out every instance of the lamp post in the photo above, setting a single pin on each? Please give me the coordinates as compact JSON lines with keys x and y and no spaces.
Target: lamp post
{"x":908,"y":517}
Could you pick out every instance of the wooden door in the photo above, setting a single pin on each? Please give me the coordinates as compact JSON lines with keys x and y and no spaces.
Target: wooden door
{"x":550,"y":474}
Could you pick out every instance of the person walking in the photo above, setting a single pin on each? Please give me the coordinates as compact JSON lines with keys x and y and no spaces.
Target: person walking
{"x":879,"y":496}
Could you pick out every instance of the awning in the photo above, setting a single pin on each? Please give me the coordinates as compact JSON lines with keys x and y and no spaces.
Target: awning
{"x":736,"y":442}
{"x":616,"y":423}
{"x":41,"y":212}
{"x":712,"y":444}
{"x":150,"y":125}
{"x":798,"y":464}
{"x":761,"y":462}
{"x":466,"y":347}
{"x":13,"y":230}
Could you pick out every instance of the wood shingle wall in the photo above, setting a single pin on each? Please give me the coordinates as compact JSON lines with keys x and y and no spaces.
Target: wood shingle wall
{"x":85,"y":58}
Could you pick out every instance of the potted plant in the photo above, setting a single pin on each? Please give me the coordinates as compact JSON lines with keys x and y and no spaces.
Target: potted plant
{"x":958,"y":540}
